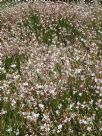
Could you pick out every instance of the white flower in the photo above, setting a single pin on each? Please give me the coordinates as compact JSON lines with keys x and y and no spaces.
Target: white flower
{"x":9,"y":130}
{"x":57,"y":112}
{"x":29,"y":117}
{"x":73,"y":115}
{"x":39,"y":86}
{"x":60,"y":126}
{"x":77,"y":71}
{"x":29,"y":62}
{"x":17,"y":132}
{"x":41,"y":106}
{"x":88,"y":128}
{"x":16,"y":77}
{"x":35,"y":115}
{"x":42,"y":127}
{"x":52,"y":91}
{"x":59,"y":106}
{"x":13,"y":102}
{"x":71,"y":105}
{"x":3,"y":112}
{"x":1,"y":87}
{"x":66,"y":120}
{"x":1,"y":0}
{"x":78,"y":103}
{"x":80,"y":94}
{"x":100,"y":129}
{"x":100,"y":94}
{"x":96,"y":80}
{"x":91,"y":102}
{"x":25,"y":84}
{"x":83,"y":122}
{"x":46,"y":117}
{"x":13,"y":65}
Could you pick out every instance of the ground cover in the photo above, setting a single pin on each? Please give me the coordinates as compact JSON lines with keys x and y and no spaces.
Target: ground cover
{"x":51,"y":70}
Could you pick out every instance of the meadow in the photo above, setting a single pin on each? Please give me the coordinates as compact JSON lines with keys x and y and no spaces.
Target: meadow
{"x":51,"y":70}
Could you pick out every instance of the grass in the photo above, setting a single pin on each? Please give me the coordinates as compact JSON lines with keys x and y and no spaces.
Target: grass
{"x":12,"y":123}
{"x":12,"y":63}
{"x":50,"y":70}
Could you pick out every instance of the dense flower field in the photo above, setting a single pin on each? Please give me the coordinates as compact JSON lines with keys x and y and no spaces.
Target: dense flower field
{"x":51,"y":70}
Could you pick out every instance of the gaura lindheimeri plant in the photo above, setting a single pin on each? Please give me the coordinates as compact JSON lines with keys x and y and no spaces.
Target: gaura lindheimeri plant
{"x":50,"y":70}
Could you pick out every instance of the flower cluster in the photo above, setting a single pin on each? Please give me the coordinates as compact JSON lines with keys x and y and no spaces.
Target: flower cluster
{"x":50,"y":70}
